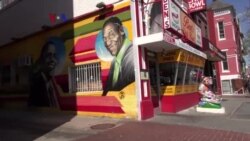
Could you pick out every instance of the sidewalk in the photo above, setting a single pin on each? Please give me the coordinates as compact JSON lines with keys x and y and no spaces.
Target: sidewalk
{"x":186,"y":125}
{"x":236,"y":118}
{"x":42,"y":125}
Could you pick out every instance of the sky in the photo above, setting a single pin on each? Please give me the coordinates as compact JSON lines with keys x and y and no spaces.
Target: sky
{"x":240,"y":6}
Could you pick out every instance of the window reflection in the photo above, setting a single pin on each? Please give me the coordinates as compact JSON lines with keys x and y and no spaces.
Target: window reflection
{"x":167,"y":73}
{"x":181,"y":74}
{"x":174,"y":73}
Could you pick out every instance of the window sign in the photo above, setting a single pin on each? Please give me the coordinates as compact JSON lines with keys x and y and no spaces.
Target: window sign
{"x":174,"y":19}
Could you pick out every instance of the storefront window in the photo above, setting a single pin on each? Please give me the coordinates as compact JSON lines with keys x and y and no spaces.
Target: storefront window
{"x":167,"y":73}
{"x":181,"y":74}
{"x":200,"y":74}
{"x":187,"y":74}
{"x":193,"y":75}
{"x":181,"y":70}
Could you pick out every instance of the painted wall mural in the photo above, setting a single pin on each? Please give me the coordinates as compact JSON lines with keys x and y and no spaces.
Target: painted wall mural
{"x":102,"y":41}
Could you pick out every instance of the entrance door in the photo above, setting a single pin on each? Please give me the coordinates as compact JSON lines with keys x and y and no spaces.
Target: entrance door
{"x":153,"y":83}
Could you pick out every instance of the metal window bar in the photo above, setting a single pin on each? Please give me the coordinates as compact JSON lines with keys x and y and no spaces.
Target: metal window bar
{"x":86,"y":78}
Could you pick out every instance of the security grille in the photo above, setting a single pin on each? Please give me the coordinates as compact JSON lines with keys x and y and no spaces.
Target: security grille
{"x":85,"y":78}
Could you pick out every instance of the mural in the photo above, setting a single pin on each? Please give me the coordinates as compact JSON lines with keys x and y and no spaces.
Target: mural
{"x":99,"y":47}
{"x":49,"y":63}
{"x":118,"y":46}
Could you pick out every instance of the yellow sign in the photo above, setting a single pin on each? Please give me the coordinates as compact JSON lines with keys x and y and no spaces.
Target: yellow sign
{"x":178,"y":90}
{"x":181,"y":56}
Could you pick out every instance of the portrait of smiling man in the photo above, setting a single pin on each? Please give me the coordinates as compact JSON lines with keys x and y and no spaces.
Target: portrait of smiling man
{"x":120,"y":47}
{"x":42,"y":86}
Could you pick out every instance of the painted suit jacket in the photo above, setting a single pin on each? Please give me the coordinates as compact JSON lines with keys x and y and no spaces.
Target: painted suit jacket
{"x":41,"y":91}
{"x":126,"y":74}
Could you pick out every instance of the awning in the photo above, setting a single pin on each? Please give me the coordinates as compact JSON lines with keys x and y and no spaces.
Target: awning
{"x":213,"y":53}
{"x":159,"y":42}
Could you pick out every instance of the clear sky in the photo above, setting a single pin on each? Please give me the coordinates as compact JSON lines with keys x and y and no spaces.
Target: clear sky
{"x":240,"y":6}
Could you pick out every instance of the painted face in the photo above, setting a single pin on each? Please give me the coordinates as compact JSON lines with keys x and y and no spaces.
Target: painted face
{"x":112,"y":38}
{"x":206,"y":81}
{"x":50,"y":57}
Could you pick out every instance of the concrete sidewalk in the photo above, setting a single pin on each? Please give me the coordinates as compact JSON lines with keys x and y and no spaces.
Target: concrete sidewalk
{"x":186,"y":125}
{"x":30,"y":124}
{"x":236,"y":118}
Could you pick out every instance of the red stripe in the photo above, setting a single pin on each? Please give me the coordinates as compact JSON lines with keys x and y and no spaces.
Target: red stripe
{"x":106,"y":104}
{"x":100,"y":109}
{"x":147,"y":109}
{"x":140,"y":56}
{"x":98,"y":101}
{"x":84,"y":44}
{"x":179,"y":102}
{"x":85,"y":57}
{"x":137,"y":19}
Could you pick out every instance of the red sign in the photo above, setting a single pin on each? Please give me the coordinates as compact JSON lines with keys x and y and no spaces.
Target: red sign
{"x":165,"y":14}
{"x":174,"y":19}
{"x":196,"y":5}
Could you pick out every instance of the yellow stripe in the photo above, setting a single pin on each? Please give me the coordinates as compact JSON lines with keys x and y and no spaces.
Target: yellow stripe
{"x":88,"y":62}
{"x":178,"y":90}
{"x":99,"y":114}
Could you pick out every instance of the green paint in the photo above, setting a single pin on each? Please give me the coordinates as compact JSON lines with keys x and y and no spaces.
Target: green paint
{"x":211,"y":105}
{"x":91,"y":27}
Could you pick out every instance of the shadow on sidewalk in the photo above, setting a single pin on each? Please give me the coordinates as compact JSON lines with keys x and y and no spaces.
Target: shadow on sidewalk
{"x":30,"y":123}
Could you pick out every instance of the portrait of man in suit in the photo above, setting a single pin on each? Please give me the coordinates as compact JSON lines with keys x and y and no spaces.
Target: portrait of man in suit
{"x":116,"y":42}
{"x":42,"y":85}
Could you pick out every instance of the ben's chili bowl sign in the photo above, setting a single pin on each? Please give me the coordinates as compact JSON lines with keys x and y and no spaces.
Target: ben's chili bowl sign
{"x":165,"y":14}
{"x":196,"y":5}
{"x":174,"y":19}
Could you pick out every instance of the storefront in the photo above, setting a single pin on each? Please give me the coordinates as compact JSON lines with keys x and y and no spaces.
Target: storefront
{"x":174,"y":86}
{"x":171,"y":41}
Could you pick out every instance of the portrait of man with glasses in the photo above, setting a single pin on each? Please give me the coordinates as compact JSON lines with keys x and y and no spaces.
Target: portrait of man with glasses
{"x":120,"y":47}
